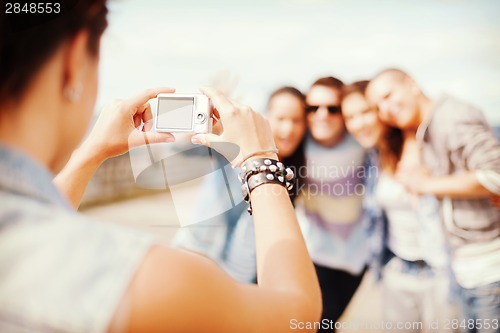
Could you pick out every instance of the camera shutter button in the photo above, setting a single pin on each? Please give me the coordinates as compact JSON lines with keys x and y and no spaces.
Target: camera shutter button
{"x":201,"y":118}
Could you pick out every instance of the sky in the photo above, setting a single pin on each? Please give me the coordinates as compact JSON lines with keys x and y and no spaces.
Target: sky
{"x":253,"y":47}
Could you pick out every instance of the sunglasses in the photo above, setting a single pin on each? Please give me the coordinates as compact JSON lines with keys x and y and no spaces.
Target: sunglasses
{"x":332,"y":109}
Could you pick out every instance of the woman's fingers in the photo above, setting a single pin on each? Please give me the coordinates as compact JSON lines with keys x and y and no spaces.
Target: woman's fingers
{"x":143,"y":97}
{"x":147,"y":117}
{"x":217,"y":127}
{"x":221,"y":103}
{"x":229,"y":150}
{"x":138,"y":138}
{"x":205,"y":139}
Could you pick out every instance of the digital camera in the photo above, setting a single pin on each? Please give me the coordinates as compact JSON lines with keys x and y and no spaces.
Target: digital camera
{"x":186,"y":113}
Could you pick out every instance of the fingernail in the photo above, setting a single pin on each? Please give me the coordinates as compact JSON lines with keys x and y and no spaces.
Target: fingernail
{"x":170,"y":139}
{"x":195,"y":141}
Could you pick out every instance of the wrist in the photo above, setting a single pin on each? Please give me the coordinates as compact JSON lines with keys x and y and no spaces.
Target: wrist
{"x":272,"y":156}
{"x":271,"y":153}
{"x":426,"y":187}
{"x":88,"y":155}
{"x":257,"y":171}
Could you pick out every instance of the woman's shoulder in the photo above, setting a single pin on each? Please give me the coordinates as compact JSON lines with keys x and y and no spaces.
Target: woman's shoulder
{"x":78,"y":262}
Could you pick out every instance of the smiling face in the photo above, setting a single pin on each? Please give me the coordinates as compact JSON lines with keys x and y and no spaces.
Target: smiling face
{"x":396,"y":97}
{"x":361,"y":120}
{"x":286,"y":115}
{"x":326,"y":128}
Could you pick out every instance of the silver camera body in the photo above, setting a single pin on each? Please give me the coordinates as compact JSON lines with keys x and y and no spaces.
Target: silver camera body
{"x":183,"y":113}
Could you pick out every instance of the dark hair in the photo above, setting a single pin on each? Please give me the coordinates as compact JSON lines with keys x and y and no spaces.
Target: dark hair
{"x":390,"y":147}
{"x":288,"y":90}
{"x":297,"y":160}
{"x":355,"y":87}
{"x":28,"y":40}
{"x":330,"y":82}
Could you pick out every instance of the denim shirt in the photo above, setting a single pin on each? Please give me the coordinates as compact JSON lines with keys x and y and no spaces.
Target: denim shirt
{"x":59,"y":272}
{"x":375,"y":218}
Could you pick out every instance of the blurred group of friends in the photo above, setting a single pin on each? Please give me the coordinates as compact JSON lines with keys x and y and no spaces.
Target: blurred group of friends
{"x":388,"y":181}
{"x":391,"y":182}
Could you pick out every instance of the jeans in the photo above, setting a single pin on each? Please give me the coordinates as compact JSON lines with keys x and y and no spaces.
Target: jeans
{"x":480,"y":308}
{"x":416,"y":296}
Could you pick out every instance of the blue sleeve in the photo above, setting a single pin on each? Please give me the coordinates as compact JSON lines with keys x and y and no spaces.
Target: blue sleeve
{"x":375,"y":218}
{"x":241,"y":261}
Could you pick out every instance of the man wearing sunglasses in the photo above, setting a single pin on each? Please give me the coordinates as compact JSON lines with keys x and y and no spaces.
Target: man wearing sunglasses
{"x":331,"y":207}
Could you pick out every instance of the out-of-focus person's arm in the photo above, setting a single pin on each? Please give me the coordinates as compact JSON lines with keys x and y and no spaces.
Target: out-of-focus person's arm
{"x":475,"y":152}
{"x":461,"y":186}
{"x":474,"y":147}
{"x":121,"y":125}
{"x":182,"y":292}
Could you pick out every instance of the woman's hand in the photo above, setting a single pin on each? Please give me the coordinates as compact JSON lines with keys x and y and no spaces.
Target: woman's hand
{"x":121,"y":126}
{"x":416,"y":179}
{"x":124,"y":124}
{"x":241,"y":126}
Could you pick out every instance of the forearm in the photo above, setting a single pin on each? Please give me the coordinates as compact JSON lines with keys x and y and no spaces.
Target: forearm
{"x":283,"y":262}
{"x":75,"y":176}
{"x":463,"y":186}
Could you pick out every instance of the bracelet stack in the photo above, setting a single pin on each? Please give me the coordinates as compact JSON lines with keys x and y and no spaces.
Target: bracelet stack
{"x":261,"y":171}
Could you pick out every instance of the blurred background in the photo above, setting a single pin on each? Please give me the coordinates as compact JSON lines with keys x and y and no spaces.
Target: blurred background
{"x":447,"y":45}
{"x":251,"y":48}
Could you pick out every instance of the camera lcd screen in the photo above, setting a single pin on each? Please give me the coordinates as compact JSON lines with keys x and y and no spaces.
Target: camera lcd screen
{"x":175,"y":113}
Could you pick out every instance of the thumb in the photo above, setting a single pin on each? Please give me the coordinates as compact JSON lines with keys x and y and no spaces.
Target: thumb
{"x":205,"y":139}
{"x":159,"y":137}
{"x":138,"y":138}
{"x":229,"y":150}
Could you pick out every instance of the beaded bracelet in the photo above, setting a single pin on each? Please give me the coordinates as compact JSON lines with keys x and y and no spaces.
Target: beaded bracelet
{"x":261,"y":171}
